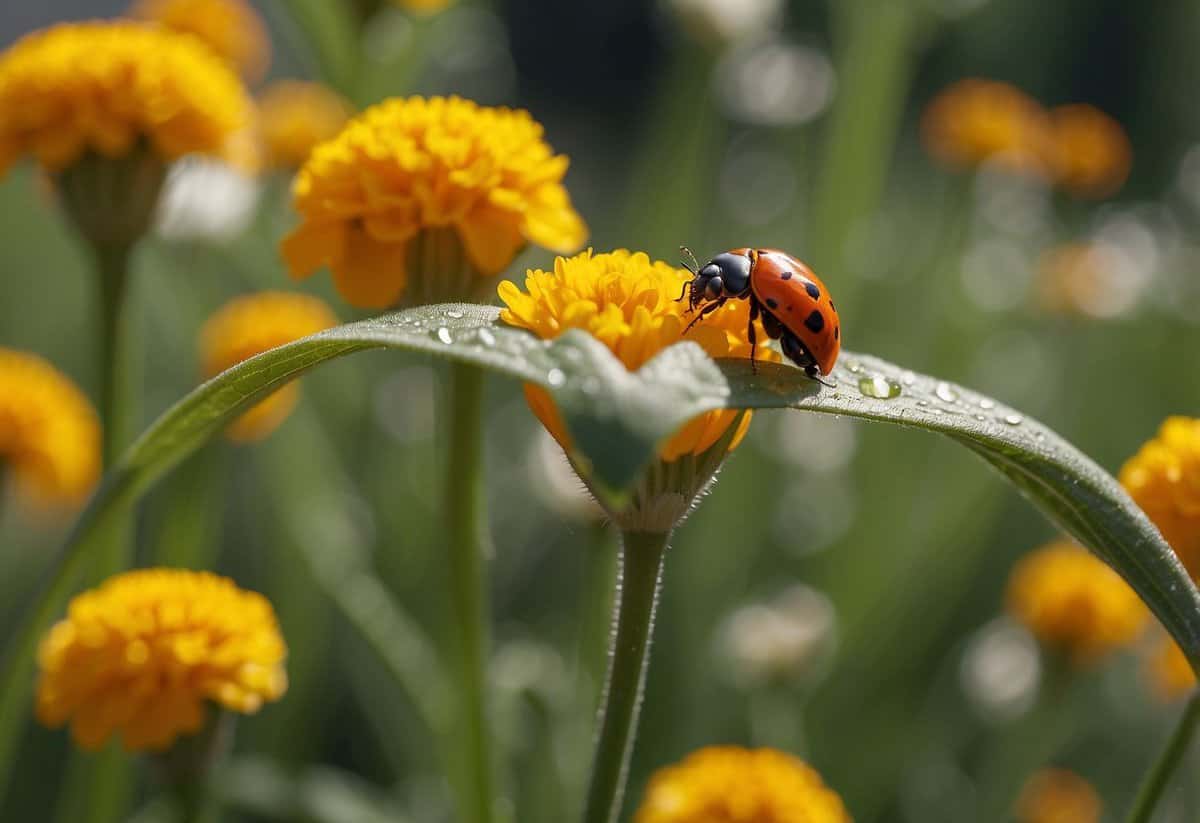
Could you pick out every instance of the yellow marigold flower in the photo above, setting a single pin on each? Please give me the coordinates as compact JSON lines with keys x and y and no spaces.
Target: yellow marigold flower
{"x":407,"y":166}
{"x":1058,"y":796}
{"x":1164,"y":479}
{"x":728,"y":784}
{"x":1092,"y":155}
{"x":141,"y":653}
{"x":628,"y":303}
{"x":1074,"y":603}
{"x":231,"y":28}
{"x":1168,"y":670}
{"x":49,"y":432}
{"x":295,"y":116}
{"x":107,"y":88}
{"x":976,"y":121}
{"x":250,"y":325}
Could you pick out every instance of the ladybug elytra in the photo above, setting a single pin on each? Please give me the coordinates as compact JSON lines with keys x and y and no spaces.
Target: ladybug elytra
{"x":793,"y":303}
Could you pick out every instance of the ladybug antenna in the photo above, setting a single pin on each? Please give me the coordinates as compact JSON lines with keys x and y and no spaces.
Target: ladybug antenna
{"x":695,"y":267}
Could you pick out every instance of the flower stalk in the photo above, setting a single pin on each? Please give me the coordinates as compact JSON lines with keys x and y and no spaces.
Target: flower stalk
{"x":1156,"y":780}
{"x":465,"y":509}
{"x":641,"y":561}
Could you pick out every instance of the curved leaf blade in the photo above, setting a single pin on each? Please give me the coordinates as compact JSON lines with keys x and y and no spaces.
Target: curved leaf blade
{"x":616,"y":419}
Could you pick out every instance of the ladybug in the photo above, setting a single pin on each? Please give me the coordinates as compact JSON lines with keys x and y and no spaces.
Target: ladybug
{"x":794,"y":304}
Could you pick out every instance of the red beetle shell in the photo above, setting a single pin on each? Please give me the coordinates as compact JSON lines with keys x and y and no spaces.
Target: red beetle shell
{"x":789,"y":290}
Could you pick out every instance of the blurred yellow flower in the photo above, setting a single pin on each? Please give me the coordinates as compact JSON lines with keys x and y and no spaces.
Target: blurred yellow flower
{"x":1092,"y":155}
{"x":250,"y":325}
{"x":295,"y":116}
{"x":49,"y":432}
{"x":1168,"y":670}
{"x":1088,"y":279}
{"x":1058,"y":796}
{"x":107,"y":88}
{"x":407,"y":166}
{"x":140,"y":654}
{"x":628,"y":303}
{"x":728,"y":784}
{"x":1164,"y":479}
{"x":1074,"y":603}
{"x":231,"y":28}
{"x":975,"y":121}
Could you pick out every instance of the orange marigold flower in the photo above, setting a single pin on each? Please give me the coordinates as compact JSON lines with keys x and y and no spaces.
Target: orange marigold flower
{"x":231,"y":28}
{"x":1168,"y":670}
{"x":1164,"y":479}
{"x":139,"y":656}
{"x":49,"y":432}
{"x":728,"y":784}
{"x":1074,"y":603}
{"x":628,"y":303}
{"x":250,"y":325}
{"x":976,"y":121}
{"x":107,"y":88}
{"x":1058,"y":796}
{"x":295,"y":116}
{"x":408,"y":166}
{"x":1092,"y":155}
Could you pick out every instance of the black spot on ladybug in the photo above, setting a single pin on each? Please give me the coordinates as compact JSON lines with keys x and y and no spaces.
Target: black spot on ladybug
{"x":837,"y":332}
{"x":772,"y":303}
{"x":787,"y":275}
{"x":812,"y":290}
{"x":815,"y":321}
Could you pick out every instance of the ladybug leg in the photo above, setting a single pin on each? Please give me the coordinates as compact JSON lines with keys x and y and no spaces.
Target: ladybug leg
{"x":752,"y":336}
{"x":687,"y":285}
{"x":705,"y":312}
{"x":771,"y":325}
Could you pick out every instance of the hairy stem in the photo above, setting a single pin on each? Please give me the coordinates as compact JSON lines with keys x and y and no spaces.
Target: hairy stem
{"x":641,"y":569}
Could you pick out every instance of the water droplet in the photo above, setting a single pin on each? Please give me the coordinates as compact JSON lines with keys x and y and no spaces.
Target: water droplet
{"x":443,"y":334}
{"x":946,"y":393}
{"x":556,"y":377}
{"x":454,"y":315}
{"x":987,"y":403}
{"x":908,"y":378}
{"x":1013,"y":419}
{"x":922,"y":402}
{"x":855,"y":368}
{"x":486,"y":337}
{"x":980,"y":417}
{"x":879,"y":387}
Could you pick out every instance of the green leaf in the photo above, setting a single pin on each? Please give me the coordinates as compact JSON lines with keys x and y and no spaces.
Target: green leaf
{"x":616,"y":418}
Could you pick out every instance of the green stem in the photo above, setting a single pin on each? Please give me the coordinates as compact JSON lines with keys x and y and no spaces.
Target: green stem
{"x":1160,"y":773}
{"x":465,"y":510}
{"x":112,"y":266}
{"x":641,"y":569}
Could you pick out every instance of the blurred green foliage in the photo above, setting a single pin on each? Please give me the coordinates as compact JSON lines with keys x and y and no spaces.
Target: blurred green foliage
{"x":910,"y":538}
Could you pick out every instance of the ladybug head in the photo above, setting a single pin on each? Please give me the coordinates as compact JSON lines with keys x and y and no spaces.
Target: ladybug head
{"x":727,"y":274}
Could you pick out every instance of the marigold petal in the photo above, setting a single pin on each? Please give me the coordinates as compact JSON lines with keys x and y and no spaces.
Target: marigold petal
{"x":491,"y":244}
{"x":370,"y":273}
{"x":311,"y":246}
